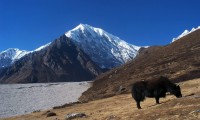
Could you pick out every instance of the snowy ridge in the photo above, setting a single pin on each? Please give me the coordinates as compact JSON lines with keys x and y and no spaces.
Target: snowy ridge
{"x":42,"y":47}
{"x":186,"y":32}
{"x":11,"y":55}
{"x":102,"y":46}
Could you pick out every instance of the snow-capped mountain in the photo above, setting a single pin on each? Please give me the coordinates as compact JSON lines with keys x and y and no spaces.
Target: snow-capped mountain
{"x":105,"y":49}
{"x":60,"y":61}
{"x":186,"y":32}
{"x":9,"y":56}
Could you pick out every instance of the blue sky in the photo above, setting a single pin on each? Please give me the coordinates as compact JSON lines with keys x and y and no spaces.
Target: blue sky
{"x":28,"y":24}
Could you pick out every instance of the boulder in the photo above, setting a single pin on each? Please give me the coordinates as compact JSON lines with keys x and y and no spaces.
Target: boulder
{"x":75,"y":115}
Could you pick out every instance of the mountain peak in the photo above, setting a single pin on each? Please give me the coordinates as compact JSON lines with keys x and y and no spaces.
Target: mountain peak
{"x":82,"y":27}
{"x":9,"y":49}
{"x":101,"y":45}
{"x":10,"y":55}
{"x":13,"y":53}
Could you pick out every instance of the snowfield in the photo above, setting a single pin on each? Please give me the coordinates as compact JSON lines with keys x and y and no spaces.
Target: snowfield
{"x":17,"y":99}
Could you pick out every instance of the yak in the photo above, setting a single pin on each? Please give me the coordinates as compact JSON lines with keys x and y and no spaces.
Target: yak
{"x":155,"y":88}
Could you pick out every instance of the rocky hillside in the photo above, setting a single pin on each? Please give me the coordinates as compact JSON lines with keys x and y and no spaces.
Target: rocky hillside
{"x":60,"y":61}
{"x":179,"y":61}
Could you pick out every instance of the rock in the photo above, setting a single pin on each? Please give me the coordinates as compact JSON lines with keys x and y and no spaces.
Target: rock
{"x":197,"y":110}
{"x":110,"y":76}
{"x":49,"y":114}
{"x":36,"y":111}
{"x":196,"y":96}
{"x":121,"y":89}
{"x":68,"y":104}
{"x":74,"y":115}
{"x":46,"y":112}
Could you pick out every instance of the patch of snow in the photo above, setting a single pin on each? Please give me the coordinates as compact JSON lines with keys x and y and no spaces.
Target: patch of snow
{"x":19,"y":54}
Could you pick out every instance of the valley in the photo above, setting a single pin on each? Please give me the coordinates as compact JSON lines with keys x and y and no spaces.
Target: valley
{"x":109,"y":97}
{"x":79,"y":60}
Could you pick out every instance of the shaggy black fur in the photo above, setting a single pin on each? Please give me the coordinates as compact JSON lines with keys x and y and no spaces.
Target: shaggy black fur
{"x":156,"y":88}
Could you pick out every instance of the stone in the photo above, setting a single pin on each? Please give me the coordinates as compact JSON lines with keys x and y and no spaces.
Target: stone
{"x":49,"y":114}
{"x":75,"y":115}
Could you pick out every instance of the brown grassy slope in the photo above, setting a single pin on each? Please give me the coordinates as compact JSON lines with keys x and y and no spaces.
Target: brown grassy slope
{"x":123,"y":107}
{"x":179,"y":61}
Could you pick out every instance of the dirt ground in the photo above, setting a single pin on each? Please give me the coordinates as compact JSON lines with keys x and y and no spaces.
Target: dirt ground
{"x":123,"y":107}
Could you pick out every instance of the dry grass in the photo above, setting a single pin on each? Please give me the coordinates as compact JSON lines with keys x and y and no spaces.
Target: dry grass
{"x":122,"y":107}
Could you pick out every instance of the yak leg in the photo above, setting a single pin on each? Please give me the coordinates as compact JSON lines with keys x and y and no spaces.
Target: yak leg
{"x":157,"y":95}
{"x":138,"y":105}
{"x":157,"y":100}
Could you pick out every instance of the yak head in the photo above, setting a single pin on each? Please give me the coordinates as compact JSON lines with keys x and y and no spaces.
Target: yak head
{"x":176,"y":91}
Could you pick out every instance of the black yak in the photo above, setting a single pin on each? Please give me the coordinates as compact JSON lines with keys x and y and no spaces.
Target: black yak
{"x":154,"y":89}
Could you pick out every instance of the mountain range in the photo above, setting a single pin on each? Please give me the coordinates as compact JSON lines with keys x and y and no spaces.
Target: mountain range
{"x":86,"y":52}
{"x":80,"y":54}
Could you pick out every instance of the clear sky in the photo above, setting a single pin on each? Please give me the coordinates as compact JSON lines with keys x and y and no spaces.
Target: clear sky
{"x":28,"y":24}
